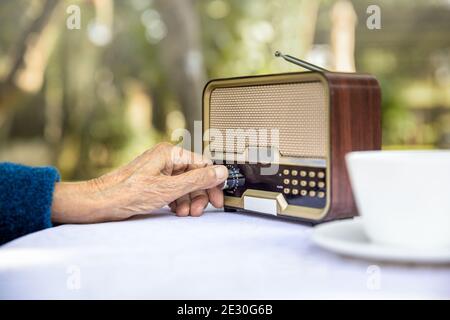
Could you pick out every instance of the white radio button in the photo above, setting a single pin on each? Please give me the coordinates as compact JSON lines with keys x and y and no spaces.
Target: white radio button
{"x":268,"y":206}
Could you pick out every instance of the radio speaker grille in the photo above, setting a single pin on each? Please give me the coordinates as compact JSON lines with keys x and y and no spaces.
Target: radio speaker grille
{"x":297,"y":110}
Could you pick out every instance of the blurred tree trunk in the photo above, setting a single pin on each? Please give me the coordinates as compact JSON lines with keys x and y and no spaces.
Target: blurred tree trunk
{"x":7,"y":88}
{"x":10,"y":94}
{"x":343,"y":30}
{"x":182,"y":56}
{"x":295,"y":22}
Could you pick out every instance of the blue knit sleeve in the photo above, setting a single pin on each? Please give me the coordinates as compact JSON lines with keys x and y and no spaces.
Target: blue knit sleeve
{"x":26,"y":195}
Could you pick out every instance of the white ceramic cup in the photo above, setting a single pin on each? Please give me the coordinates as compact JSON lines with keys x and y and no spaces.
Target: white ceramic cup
{"x":403,"y":196}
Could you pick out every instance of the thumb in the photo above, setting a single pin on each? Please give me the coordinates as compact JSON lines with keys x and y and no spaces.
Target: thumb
{"x":199,"y":179}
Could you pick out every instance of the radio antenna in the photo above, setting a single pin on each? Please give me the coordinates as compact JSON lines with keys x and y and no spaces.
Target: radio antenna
{"x":301,"y":63}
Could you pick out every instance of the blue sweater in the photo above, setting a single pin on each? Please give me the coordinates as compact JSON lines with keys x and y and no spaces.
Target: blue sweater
{"x":25,"y":199}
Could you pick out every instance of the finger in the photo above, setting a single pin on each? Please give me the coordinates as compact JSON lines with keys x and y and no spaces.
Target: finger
{"x":146,"y":157}
{"x":126,"y":170}
{"x":173,"y":206}
{"x":183,"y":205}
{"x":199,"y":200}
{"x":173,"y":159}
{"x":154,"y":156}
{"x":163,"y":157}
{"x":215,"y":196}
{"x":198,"y":179}
{"x":183,"y":160}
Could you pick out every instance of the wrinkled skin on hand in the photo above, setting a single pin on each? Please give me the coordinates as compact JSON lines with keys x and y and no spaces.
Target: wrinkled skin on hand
{"x":163,"y":175}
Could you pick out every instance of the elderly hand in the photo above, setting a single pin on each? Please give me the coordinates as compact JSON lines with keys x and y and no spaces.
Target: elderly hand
{"x":164,"y":175}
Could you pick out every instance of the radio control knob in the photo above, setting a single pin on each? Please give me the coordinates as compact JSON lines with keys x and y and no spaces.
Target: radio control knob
{"x":235,"y":179}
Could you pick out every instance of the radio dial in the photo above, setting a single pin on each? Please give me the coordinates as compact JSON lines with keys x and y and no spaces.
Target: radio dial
{"x":235,"y":179}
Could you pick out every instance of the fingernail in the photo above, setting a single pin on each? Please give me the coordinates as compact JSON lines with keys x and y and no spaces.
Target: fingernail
{"x":221,"y":172}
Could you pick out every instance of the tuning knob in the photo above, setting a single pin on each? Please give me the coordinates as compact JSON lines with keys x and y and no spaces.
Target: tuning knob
{"x":235,"y":179}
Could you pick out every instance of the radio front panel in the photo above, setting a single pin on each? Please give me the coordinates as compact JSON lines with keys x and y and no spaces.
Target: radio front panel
{"x":300,"y":186}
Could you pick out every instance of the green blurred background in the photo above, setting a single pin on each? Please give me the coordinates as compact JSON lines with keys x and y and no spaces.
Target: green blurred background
{"x":88,"y":99}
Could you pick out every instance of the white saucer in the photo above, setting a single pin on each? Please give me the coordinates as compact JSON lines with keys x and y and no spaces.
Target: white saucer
{"x":347,"y":237}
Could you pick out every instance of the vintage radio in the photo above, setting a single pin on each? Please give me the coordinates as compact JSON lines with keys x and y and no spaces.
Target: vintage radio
{"x":299,"y":171}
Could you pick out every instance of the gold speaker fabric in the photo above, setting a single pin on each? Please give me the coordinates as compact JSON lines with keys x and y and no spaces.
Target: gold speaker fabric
{"x":297,"y":110}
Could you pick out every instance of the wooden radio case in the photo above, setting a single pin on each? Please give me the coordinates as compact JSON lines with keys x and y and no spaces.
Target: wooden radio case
{"x":320,"y":116}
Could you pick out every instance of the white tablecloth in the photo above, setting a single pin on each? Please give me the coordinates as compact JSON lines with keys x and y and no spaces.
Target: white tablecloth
{"x":218,"y":256}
